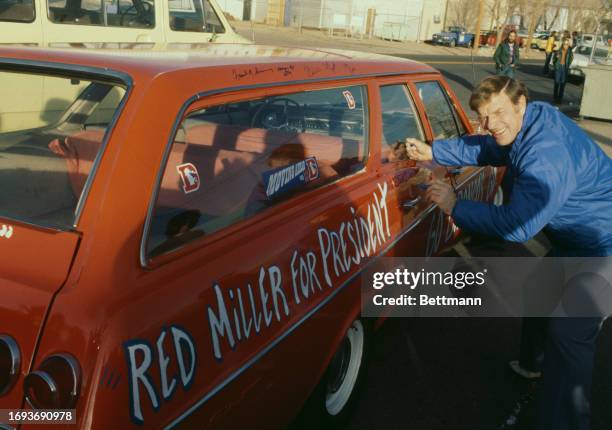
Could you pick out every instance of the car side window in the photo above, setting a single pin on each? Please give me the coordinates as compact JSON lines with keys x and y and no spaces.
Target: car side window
{"x":113,"y":13}
{"x":444,"y":121}
{"x":399,"y":121}
{"x":195,"y":16}
{"x":232,"y":161}
{"x":17,"y":10}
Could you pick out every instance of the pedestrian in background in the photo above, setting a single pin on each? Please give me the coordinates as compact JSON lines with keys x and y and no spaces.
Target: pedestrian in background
{"x":562,"y":59}
{"x":568,"y":36}
{"x":550,"y":47}
{"x":507,"y":56}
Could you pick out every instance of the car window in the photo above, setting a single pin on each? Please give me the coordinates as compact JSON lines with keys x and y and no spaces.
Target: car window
{"x":51,"y":132}
{"x":399,"y":121}
{"x":17,"y":10}
{"x":440,"y":113}
{"x":113,"y":13}
{"x":194,"y":15}
{"x":232,"y":161}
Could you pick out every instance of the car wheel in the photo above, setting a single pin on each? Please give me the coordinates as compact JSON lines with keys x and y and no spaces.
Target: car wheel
{"x":452,"y":43}
{"x":344,"y":369}
{"x":334,"y":399}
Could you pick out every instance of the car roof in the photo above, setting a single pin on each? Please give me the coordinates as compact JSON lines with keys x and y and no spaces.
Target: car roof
{"x":147,"y":61}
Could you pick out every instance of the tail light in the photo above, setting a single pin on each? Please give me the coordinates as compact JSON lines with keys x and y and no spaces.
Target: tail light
{"x":10,"y":363}
{"x":56,"y":383}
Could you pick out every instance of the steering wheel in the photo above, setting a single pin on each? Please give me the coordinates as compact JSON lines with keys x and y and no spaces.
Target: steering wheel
{"x":143,"y":12}
{"x":269,"y":117}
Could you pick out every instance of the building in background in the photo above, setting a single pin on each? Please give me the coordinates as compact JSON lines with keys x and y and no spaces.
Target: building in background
{"x":411,"y":20}
{"x":245,"y":10}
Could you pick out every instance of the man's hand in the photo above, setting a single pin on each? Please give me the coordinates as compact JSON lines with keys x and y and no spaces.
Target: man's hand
{"x":418,"y":151}
{"x":442,"y":194}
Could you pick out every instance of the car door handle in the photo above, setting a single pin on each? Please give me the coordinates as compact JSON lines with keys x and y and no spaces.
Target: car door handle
{"x":409,"y":204}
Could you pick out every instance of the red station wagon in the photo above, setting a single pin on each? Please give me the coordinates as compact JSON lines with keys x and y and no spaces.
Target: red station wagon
{"x":182,"y":233}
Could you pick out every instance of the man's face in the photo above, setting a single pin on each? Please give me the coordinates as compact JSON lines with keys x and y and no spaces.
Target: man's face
{"x":502,"y":118}
{"x":511,"y":37}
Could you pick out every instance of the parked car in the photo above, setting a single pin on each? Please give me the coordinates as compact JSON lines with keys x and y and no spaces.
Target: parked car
{"x":582,"y":56}
{"x":111,"y":24}
{"x":182,"y":233}
{"x":490,"y":38}
{"x":542,"y":41}
{"x":455,"y":36}
{"x":588,"y":39}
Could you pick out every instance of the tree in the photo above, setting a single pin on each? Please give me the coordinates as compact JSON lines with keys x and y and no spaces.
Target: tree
{"x":462,"y":12}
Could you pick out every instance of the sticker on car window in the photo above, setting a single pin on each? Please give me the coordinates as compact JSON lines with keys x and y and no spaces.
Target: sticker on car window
{"x":6,"y":231}
{"x":312,"y":171}
{"x":284,"y":179}
{"x":350,"y":100}
{"x":190,"y":177}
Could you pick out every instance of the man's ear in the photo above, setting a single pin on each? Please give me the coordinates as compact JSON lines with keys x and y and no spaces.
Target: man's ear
{"x":522,"y":103}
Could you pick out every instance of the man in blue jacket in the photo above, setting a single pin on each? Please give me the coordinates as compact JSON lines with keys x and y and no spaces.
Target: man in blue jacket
{"x":558,"y":180}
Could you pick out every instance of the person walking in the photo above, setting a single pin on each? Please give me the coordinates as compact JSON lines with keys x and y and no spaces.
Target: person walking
{"x":507,"y":56}
{"x":550,"y":47}
{"x":562,"y":59}
{"x":557,"y":180}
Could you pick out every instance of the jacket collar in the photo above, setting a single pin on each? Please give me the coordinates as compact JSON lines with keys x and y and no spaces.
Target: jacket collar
{"x":528,"y":120}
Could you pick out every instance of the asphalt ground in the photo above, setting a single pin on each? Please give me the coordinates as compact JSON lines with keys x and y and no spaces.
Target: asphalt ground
{"x":452,"y":374}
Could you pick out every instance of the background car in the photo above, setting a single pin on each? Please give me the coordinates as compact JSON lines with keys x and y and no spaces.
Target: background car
{"x":455,"y":36}
{"x":542,"y":41}
{"x":582,"y":56}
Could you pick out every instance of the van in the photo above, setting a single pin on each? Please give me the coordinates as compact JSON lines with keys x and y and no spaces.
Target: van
{"x":113,"y":23}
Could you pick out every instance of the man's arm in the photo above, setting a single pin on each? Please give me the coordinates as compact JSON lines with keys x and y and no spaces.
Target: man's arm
{"x":497,"y":55}
{"x":476,"y":150}
{"x":541,"y":189}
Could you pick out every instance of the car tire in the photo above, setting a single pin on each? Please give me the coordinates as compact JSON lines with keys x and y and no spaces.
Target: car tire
{"x":335,"y":397}
{"x":452,"y":43}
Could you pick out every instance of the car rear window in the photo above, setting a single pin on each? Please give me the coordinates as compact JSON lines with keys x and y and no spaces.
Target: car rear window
{"x":232,"y":161}
{"x":51,"y":132}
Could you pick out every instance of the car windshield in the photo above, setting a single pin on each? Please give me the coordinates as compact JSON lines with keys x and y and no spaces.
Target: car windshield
{"x":51,"y":132}
{"x":586,"y":50}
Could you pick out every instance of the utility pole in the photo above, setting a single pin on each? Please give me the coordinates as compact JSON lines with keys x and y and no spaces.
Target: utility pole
{"x":445,"y":13}
{"x":478,"y":24}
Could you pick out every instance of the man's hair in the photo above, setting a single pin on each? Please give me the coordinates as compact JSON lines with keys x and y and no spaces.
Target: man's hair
{"x":509,"y":33}
{"x":495,"y":85}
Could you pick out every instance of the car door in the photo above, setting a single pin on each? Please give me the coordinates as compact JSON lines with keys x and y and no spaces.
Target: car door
{"x":20,"y":21}
{"x":399,"y":120}
{"x":446,"y":121}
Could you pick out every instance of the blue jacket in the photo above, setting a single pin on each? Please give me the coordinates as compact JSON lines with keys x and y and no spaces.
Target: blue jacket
{"x":557,"y":178}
